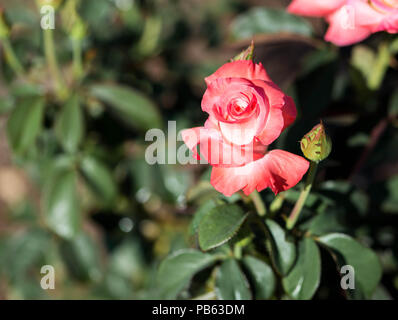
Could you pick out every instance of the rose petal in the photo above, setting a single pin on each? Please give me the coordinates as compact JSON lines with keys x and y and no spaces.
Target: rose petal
{"x":239,"y":133}
{"x":278,"y":170}
{"x":219,"y":152}
{"x":316,"y":8}
{"x":289,"y":112}
{"x":347,"y":26}
{"x":282,"y":112}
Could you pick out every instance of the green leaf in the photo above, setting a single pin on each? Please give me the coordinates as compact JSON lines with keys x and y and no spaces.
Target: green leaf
{"x":262,"y":277}
{"x":231,"y":283}
{"x":364,"y":261}
{"x":25,"y":123}
{"x":69,"y":127}
{"x":303,"y":280}
{"x":330,"y":220}
{"x":372,"y":65}
{"x":283,"y":251}
{"x":7,"y":103}
{"x":176,"y":271}
{"x":81,"y":256}
{"x":260,"y":20}
{"x":99,"y":178}
{"x":132,"y":106}
{"x":61,"y":203}
{"x":219,"y":225}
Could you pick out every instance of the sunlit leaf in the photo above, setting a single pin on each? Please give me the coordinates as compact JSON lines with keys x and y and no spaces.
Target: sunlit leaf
{"x":231,"y":283}
{"x":61,"y":203}
{"x":25,"y":123}
{"x":175,"y":272}
{"x":262,"y":277}
{"x":219,"y":225}
{"x":132,"y":106}
{"x":303,"y":280}
{"x":283,"y":250}
{"x":69,"y":127}
{"x":99,"y":178}
{"x":81,"y":257}
{"x":364,"y":261}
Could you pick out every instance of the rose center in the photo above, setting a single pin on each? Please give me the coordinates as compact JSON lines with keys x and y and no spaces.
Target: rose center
{"x":241,"y":107}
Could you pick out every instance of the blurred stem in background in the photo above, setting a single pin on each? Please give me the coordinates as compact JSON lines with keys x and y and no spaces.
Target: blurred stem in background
{"x":276,"y":204}
{"x":9,"y":53}
{"x":51,"y":57}
{"x":258,"y":203}
{"x":381,"y":65}
{"x":11,"y":57}
{"x":77,"y":30}
{"x":77,"y":59}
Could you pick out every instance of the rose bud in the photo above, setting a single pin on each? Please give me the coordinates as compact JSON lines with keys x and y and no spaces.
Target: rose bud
{"x":316,"y":144}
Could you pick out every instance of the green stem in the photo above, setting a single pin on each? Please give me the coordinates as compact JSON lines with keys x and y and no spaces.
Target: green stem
{"x":11,"y":57}
{"x":77,"y":59}
{"x":291,"y":221}
{"x":240,"y":245}
{"x":277,"y":203}
{"x":258,"y":203}
{"x":53,"y":63}
{"x":380,"y":67}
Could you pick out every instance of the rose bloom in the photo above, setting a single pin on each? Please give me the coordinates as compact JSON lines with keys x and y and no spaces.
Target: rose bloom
{"x":350,"y":21}
{"x":247,"y":112}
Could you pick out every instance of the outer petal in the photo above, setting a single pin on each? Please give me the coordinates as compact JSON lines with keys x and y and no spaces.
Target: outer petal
{"x":246,"y":69}
{"x":219,"y":152}
{"x":389,"y":24}
{"x":353,"y":23}
{"x":273,"y":126}
{"x":316,"y":8}
{"x":343,"y":30}
{"x":365,"y":14}
{"x":282,"y":112}
{"x":278,"y":170}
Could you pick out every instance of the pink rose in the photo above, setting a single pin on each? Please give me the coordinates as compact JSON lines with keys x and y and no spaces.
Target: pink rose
{"x":351,"y":21}
{"x":247,"y":112}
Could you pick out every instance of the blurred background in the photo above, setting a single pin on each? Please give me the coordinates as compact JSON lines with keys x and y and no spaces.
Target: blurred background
{"x":76,"y":102}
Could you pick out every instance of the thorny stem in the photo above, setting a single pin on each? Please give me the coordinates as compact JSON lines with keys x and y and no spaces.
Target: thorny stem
{"x":291,"y":221}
